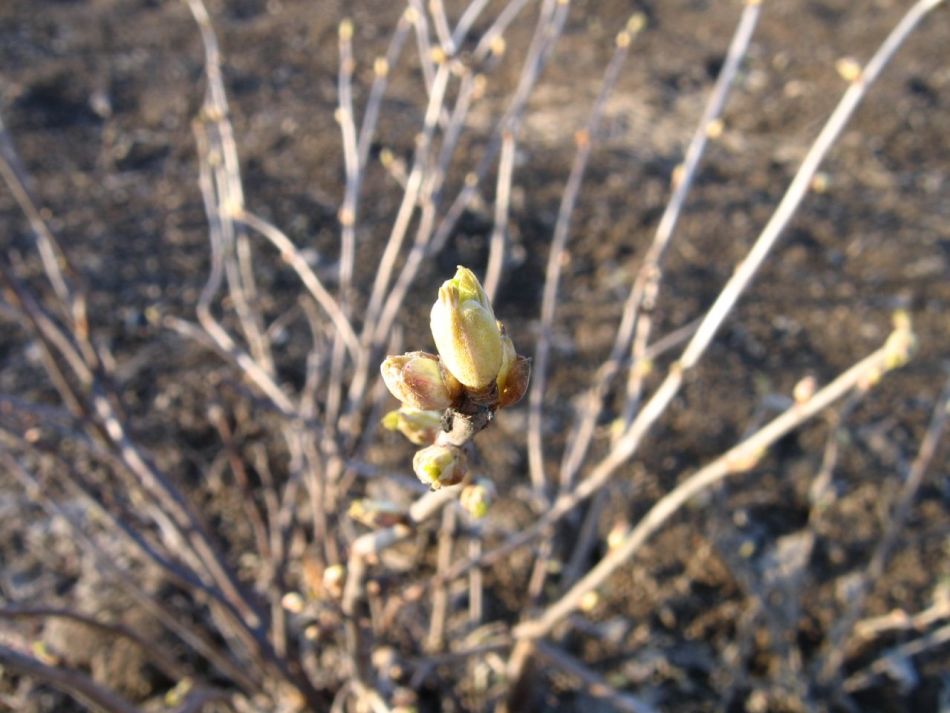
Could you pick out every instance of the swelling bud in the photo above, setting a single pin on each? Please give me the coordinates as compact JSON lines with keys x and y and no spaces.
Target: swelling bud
{"x":440,"y":465}
{"x":420,"y":427}
{"x":465,"y":331}
{"x":418,"y":380}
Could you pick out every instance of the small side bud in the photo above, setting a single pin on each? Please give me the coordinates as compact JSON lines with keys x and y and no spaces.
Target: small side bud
{"x":848,"y":68}
{"x":376,"y":513}
{"x":418,"y":380}
{"x":465,"y":331}
{"x":418,"y":426}
{"x":437,"y":466}
{"x":477,"y":498}
{"x":514,"y":374}
{"x":334,"y":577}
{"x":636,"y":23}
{"x":589,"y":601}
{"x":715,"y":128}
{"x":293,"y":602}
{"x":516,"y":383}
{"x":804,"y":389}
{"x":346,"y":29}
{"x":901,"y":343}
{"x":618,"y":533}
{"x":178,"y":693}
{"x":741,"y":462}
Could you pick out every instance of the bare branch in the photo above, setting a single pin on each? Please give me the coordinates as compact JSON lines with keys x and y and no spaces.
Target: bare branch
{"x":895,"y":525}
{"x":76,"y":684}
{"x":737,"y":460}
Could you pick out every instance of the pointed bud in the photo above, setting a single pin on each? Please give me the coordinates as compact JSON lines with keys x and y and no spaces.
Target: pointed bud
{"x":477,"y":498}
{"x":514,"y":374}
{"x":420,"y":427}
{"x":465,"y":331}
{"x":440,"y":465}
{"x":418,"y":380}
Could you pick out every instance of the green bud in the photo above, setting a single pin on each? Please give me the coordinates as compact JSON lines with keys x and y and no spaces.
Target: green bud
{"x":465,"y":331}
{"x":477,"y":498}
{"x":440,"y":465}
{"x":420,"y":427}
{"x":418,"y":380}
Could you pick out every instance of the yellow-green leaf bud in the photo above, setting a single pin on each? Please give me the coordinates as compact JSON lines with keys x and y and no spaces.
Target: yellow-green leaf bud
{"x":477,"y":498}
{"x":419,"y":426}
{"x":465,"y":331}
{"x":418,"y":380}
{"x":440,"y":465}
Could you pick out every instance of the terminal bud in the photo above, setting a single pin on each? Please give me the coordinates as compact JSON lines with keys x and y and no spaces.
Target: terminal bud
{"x":465,"y":331}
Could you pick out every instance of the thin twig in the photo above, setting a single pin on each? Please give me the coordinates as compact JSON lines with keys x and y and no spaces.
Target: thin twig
{"x":192,"y":637}
{"x":595,"y":684}
{"x":552,"y":276}
{"x":261,"y":536}
{"x":628,"y":444}
{"x":228,"y":192}
{"x":373,"y":543}
{"x":736,"y":460}
{"x":351,"y":160}
{"x":382,"y":68}
{"x":468,"y":18}
{"x":440,"y":595}
{"x":476,"y":593}
{"x":61,"y":275}
{"x":223,"y":341}
{"x":802,"y":181}
{"x":880,"y":666}
{"x":409,"y":202}
{"x":898,"y":619}
{"x":100,"y":406}
{"x":416,"y":15}
{"x":291,"y":255}
{"x":548,"y":29}
{"x":842,"y":630}
{"x":442,"y":31}
{"x":642,"y":296}
{"x":647,"y":285}
{"x":156,"y":655}
{"x":74,"y":683}
{"x":496,"y":249}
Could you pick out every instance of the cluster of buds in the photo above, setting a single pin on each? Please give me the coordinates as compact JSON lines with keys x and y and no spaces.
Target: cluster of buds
{"x":475,"y":371}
